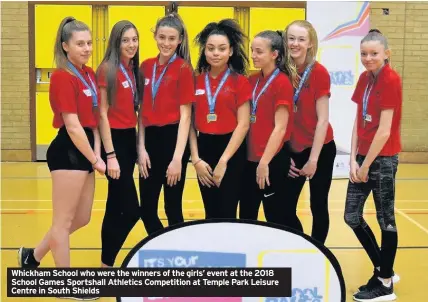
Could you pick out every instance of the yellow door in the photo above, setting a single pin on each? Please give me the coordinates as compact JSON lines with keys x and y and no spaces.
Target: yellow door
{"x":101,"y":18}
{"x":196,"y":18}
{"x":47,"y":20}
{"x":271,"y":19}
{"x":144,"y":18}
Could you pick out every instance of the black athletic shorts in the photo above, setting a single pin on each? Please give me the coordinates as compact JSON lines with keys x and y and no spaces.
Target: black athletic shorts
{"x":62,"y":154}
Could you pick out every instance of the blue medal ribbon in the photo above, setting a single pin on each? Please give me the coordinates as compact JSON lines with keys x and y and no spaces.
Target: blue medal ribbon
{"x":366,"y":99}
{"x":92,"y":89}
{"x":302,"y":82}
{"x":211,"y":99}
{"x":155,"y":85}
{"x":255,"y":99}
{"x":134,"y":93}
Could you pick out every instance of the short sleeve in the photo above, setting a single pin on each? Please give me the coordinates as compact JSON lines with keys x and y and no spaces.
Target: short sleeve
{"x":284,"y":92}
{"x":322,"y":83}
{"x":143,"y":79}
{"x":186,"y":85}
{"x":243,"y":93}
{"x":63,"y":92}
{"x":101,"y":76}
{"x":357,"y":96}
{"x":391,"y":97}
{"x":142,"y":69}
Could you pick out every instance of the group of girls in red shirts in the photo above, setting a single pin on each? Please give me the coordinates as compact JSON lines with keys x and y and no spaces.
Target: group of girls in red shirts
{"x":252,"y":139}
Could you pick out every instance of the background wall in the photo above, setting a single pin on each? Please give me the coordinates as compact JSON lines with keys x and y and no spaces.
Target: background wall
{"x":15,"y":85}
{"x":405,"y":25}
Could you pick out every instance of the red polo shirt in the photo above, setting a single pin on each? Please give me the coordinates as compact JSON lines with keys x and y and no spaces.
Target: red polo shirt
{"x":67,"y":94}
{"x":176,"y":89}
{"x":305,"y":119}
{"x":234,"y":93}
{"x":121,"y":113}
{"x":385,"y":94}
{"x":279,"y":92}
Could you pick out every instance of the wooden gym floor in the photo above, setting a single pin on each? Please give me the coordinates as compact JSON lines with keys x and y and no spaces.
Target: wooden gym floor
{"x":26,"y":216}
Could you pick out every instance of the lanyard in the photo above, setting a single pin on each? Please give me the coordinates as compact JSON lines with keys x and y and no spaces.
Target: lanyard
{"x":130,"y":83}
{"x":256,"y":99}
{"x":366,"y":98}
{"x":211,"y":99}
{"x":92,"y":89}
{"x":155,"y":85}
{"x":302,"y":81}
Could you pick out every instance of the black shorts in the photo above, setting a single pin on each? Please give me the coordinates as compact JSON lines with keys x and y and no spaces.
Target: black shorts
{"x":62,"y":154}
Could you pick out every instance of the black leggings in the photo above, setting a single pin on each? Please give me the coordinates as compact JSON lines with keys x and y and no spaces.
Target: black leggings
{"x":272,"y":196}
{"x":319,"y":188}
{"x":122,"y":200}
{"x":382,"y":183}
{"x":160,"y":144}
{"x":221,"y":202}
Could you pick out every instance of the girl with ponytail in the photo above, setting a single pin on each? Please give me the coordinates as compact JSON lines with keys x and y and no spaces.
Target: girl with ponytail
{"x":164,"y":121}
{"x":75,"y":152}
{"x":221,"y":116}
{"x":376,"y":144}
{"x":271,"y":110}
{"x":313,"y":149}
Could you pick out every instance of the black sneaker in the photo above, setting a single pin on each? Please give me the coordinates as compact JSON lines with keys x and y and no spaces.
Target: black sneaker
{"x":26,"y":258}
{"x":374,"y":278}
{"x":376,"y":293}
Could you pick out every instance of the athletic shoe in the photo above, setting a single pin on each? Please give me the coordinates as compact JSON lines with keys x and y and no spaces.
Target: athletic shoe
{"x":374,"y":278}
{"x":26,"y":258}
{"x":376,"y":293}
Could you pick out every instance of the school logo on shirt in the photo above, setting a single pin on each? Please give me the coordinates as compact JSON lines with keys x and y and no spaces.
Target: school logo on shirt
{"x":228,"y":89}
{"x":125,"y":84}
{"x":146,"y":82}
{"x":200,"y":92}
{"x":87,"y":92}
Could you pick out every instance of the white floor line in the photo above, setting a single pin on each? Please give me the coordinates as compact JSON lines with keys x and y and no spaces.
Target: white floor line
{"x":400,"y":211}
{"x":199,"y":200}
{"x":368,"y":211}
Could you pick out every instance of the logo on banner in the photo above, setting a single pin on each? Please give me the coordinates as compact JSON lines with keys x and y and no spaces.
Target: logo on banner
{"x":185,"y":259}
{"x":306,"y":287}
{"x":349,"y":53}
{"x":300,"y":294}
{"x":315,"y":272}
{"x":342,"y":78}
{"x":357,"y":27}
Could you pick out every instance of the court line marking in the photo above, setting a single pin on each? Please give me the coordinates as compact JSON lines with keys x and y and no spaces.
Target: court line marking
{"x":399,"y":211}
{"x":422,"y":179}
{"x":344,"y":248}
{"x":367,"y":211}
{"x":200,"y":200}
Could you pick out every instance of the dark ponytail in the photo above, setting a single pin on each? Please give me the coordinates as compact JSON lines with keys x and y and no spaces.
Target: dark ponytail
{"x":376,"y":35}
{"x":277,"y":43}
{"x":111,"y":61}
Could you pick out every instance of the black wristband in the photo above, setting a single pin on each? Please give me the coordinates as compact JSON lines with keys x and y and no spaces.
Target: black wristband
{"x":111,"y":153}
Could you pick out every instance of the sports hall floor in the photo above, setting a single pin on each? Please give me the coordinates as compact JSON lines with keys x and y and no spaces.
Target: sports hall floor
{"x":26,"y":216}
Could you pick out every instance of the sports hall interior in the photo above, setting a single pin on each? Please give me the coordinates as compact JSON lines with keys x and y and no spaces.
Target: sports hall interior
{"x":27,"y":29}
